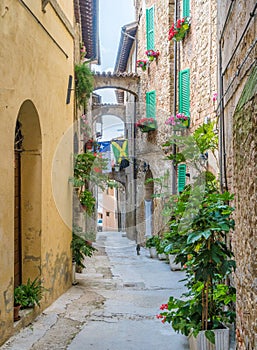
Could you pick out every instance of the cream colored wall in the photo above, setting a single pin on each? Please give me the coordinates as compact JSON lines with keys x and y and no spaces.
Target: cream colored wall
{"x":34,"y":68}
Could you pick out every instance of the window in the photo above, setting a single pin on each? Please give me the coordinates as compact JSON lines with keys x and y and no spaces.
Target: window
{"x":107,"y":213}
{"x":150,"y":28}
{"x":150,"y":104}
{"x":181,"y":177}
{"x":184,"y":91}
{"x":186,"y":8}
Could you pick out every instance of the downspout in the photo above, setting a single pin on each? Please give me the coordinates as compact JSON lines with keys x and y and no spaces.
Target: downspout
{"x":175,"y":71}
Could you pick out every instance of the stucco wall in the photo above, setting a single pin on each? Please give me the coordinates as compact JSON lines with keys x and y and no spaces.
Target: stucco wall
{"x":34,"y":68}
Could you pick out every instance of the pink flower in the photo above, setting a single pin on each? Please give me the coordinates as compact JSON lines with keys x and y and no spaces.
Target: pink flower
{"x":214,"y":97}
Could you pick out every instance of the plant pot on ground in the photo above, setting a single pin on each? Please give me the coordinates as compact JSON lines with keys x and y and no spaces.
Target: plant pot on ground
{"x":27,"y":295}
{"x":151,"y":244}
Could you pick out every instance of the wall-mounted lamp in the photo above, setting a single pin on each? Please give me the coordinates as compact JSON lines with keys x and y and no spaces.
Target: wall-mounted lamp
{"x":69,"y":90}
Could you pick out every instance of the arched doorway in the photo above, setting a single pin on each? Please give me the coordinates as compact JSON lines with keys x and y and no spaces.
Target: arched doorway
{"x":28,"y":184}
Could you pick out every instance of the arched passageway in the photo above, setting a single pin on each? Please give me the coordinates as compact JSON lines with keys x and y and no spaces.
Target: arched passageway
{"x":28,"y":184}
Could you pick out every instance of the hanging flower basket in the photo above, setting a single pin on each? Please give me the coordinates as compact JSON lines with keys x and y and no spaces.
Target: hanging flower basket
{"x":142,"y":64}
{"x":179,"y":29}
{"x":151,"y":54}
{"x":179,"y":121}
{"x":147,"y":124}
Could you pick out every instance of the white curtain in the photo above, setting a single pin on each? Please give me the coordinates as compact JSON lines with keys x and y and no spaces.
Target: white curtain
{"x":148,"y":218}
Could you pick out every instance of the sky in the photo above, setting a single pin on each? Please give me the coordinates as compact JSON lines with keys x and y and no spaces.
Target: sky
{"x":113,"y":15}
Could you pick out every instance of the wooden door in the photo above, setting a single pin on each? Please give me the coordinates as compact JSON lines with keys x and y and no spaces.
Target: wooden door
{"x":17,"y":220}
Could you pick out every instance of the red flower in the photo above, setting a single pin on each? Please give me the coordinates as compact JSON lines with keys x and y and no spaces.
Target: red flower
{"x":164,"y":306}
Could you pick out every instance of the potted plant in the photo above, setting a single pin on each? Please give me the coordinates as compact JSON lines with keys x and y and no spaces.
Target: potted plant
{"x":81,"y":247}
{"x":151,"y":54}
{"x":151,"y":244}
{"x":207,"y":305}
{"x":84,"y":83}
{"x":142,"y":64}
{"x":147,"y":124}
{"x":179,"y":121}
{"x":28,"y":295}
{"x":179,"y":29}
{"x":87,"y":201}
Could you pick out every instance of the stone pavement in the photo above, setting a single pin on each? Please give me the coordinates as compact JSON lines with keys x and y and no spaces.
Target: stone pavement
{"x":113,"y":306}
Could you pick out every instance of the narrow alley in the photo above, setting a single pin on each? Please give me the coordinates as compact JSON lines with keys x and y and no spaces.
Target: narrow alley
{"x":113,"y":306}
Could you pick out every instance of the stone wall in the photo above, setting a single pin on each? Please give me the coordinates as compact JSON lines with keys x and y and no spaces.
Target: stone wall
{"x":198,"y":52}
{"x":158,"y":77}
{"x":240,"y":137}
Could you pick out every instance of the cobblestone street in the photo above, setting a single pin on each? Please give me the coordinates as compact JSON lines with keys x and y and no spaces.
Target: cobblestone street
{"x":113,"y":306}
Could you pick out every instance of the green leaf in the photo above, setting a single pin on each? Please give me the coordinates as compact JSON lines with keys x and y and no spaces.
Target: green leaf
{"x":210,"y":335}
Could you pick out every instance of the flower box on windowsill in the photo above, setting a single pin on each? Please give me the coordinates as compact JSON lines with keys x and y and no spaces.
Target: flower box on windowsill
{"x":147,"y":124}
{"x":178,"y":122}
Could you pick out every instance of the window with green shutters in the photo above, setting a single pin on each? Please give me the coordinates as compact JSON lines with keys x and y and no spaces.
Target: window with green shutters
{"x":186,"y":8}
{"x":150,"y":28}
{"x":184,"y":91}
{"x":151,"y":104}
{"x":181,"y":177}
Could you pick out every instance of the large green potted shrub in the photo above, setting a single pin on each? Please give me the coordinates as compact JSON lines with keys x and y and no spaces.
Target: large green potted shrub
{"x":208,"y":304}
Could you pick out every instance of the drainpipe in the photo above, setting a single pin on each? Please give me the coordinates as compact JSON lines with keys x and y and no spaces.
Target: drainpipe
{"x":175,"y":71}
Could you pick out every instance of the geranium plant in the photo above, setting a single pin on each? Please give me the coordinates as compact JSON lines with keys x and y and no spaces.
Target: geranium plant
{"x":151,"y":54}
{"x":142,"y":64}
{"x":180,"y":120}
{"x":147,"y":124}
{"x":179,"y":29}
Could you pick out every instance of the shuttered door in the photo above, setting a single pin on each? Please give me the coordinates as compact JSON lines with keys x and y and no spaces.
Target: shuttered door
{"x":150,"y":28}
{"x":184,"y":92}
{"x":151,"y":104}
{"x":17,"y":221}
{"x":181,"y":177}
{"x":186,"y":8}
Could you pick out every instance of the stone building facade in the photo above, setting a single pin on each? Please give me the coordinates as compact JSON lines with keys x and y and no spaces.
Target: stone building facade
{"x":157,"y":81}
{"x":237,"y":28}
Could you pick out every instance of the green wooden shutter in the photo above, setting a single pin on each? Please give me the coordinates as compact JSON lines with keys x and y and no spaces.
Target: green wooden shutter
{"x":186,"y":8}
{"x":151,"y":104}
{"x":150,"y":28}
{"x":184,"y":92}
{"x":181,"y":177}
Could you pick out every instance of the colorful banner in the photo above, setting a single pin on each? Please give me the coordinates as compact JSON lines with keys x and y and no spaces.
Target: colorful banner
{"x":105,"y":149}
{"x":120,"y":151}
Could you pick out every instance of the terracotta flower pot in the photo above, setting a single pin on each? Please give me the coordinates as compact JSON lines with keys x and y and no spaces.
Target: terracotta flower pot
{"x":16,"y":310}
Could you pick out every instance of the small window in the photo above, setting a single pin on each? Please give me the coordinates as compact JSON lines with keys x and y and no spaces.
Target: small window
{"x":107,"y":213}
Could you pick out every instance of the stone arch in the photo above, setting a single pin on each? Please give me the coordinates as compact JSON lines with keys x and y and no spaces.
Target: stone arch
{"x":117,"y":110}
{"x":123,"y":81}
{"x":30,"y":191}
